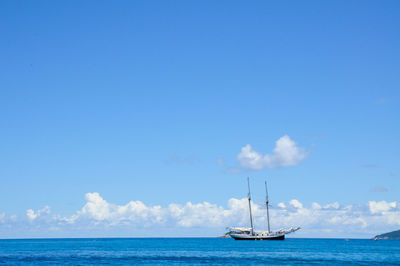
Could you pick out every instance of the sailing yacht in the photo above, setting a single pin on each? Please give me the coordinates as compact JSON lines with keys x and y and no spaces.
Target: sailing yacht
{"x":241,"y":233}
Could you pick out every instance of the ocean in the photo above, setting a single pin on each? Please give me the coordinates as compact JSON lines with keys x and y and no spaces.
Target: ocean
{"x":211,"y":251}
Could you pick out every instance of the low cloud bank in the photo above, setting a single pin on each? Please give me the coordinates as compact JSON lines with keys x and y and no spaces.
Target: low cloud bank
{"x":322,"y":220}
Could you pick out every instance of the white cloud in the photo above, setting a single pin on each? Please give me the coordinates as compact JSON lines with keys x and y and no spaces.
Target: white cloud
{"x":334,"y":205}
{"x":381,"y":206}
{"x":295,"y":203}
{"x":281,"y":205}
{"x":200,"y":214}
{"x":332,"y":216}
{"x":286,"y":153}
{"x":99,"y":210}
{"x":331,"y":220}
{"x":315,"y":206}
{"x":32,"y":215}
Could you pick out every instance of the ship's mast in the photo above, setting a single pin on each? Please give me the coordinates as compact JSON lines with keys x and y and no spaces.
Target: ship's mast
{"x":267,"y":204}
{"x":251,"y":216}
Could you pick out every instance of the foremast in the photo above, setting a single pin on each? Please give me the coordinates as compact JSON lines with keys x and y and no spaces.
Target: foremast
{"x":251,"y":216}
{"x":267,"y":204}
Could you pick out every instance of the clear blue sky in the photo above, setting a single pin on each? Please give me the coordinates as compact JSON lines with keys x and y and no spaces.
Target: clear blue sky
{"x":137,"y":100}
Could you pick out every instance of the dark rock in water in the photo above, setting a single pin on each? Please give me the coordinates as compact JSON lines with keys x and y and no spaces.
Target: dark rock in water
{"x":390,"y":235}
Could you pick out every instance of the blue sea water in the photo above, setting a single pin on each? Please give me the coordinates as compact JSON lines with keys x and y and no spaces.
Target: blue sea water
{"x":212,"y":251}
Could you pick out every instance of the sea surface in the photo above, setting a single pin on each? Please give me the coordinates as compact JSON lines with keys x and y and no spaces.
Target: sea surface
{"x":211,"y":251}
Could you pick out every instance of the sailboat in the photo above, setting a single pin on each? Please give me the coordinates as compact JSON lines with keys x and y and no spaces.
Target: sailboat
{"x":241,"y":233}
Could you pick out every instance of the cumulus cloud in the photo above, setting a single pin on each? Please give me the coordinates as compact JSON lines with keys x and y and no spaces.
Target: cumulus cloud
{"x":285,"y":153}
{"x":296,"y":204}
{"x":316,"y":220}
{"x":32,"y":215}
{"x":331,"y":216}
{"x":381,"y":206}
{"x":334,"y":205}
{"x":315,"y":206}
{"x":97,"y":210}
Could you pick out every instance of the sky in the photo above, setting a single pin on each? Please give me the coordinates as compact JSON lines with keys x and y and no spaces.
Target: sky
{"x":145,"y":118}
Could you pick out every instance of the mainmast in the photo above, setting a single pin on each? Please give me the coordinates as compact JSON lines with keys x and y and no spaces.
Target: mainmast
{"x":251,"y":216}
{"x":267,"y":204}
